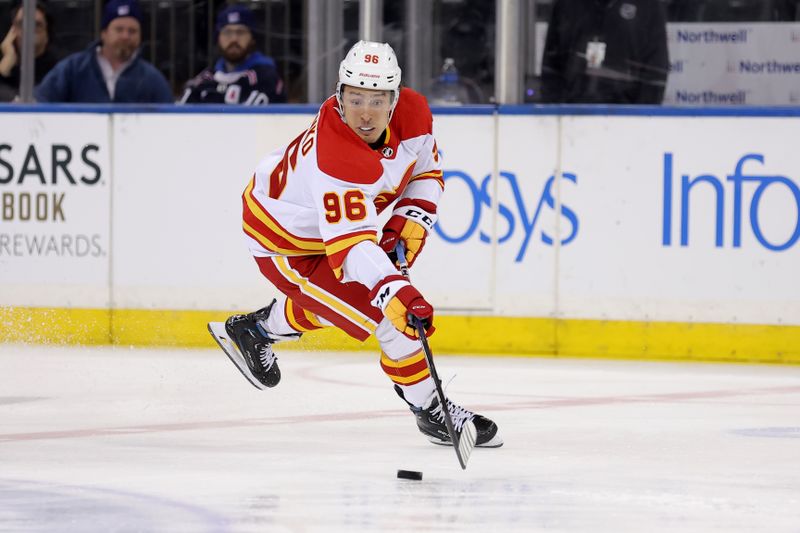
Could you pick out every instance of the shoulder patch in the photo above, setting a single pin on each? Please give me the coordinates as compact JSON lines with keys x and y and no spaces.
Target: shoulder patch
{"x":341,"y":154}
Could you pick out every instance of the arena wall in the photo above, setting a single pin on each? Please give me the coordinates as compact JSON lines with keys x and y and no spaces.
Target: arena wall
{"x":580,"y":231}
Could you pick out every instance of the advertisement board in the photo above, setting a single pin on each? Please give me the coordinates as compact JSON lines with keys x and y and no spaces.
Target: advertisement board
{"x":178,"y":242}
{"x":742,"y":63}
{"x":585,"y":232}
{"x":55,"y":202}
{"x":533,"y":218}
{"x":457,"y":270}
{"x":698,"y":224}
{"x":177,"y":216}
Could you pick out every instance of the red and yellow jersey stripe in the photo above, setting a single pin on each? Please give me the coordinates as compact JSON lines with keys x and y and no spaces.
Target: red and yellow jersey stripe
{"x":269,"y":233}
{"x":361,"y":325}
{"x":301,"y":319}
{"x":435,"y":175}
{"x":337,"y":248}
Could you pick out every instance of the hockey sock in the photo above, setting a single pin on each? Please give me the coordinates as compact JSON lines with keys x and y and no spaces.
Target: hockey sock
{"x":287,"y":317}
{"x":411,"y":375}
{"x":418,"y":394}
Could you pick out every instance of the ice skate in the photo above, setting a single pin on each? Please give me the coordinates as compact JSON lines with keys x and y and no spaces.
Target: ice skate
{"x":430,"y":421}
{"x":254,"y":342}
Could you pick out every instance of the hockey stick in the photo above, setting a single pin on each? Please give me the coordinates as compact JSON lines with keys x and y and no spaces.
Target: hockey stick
{"x":464,"y":442}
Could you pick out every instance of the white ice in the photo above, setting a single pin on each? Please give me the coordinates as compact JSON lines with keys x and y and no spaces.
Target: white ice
{"x":101,"y":439}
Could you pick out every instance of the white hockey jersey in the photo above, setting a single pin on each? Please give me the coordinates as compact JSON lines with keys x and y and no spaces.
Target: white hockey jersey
{"x":323,"y":192}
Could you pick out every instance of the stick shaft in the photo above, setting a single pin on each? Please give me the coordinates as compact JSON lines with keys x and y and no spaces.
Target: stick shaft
{"x":423,"y":338}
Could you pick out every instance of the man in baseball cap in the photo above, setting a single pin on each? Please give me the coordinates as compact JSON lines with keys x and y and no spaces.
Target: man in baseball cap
{"x":111,"y":69}
{"x":242,"y":75}
{"x":121,"y":8}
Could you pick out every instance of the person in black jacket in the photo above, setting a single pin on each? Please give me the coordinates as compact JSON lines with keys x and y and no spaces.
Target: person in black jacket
{"x":45,"y":56}
{"x":605,"y":51}
{"x":242,"y":75}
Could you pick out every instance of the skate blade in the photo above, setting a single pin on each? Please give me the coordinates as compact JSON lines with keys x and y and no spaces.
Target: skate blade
{"x":494,"y":442}
{"x":217,"y":330}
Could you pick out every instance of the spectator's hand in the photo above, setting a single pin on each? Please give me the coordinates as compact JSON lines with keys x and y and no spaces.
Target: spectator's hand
{"x":9,"y":59}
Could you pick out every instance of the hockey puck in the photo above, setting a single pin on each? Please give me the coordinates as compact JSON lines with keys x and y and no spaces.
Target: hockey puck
{"x":409,"y":474}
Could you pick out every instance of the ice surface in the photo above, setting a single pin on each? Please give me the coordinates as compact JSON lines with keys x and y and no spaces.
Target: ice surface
{"x":101,"y":439}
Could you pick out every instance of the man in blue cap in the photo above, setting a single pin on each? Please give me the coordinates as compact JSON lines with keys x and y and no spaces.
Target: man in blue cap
{"x":242,"y":75}
{"x":111,"y":69}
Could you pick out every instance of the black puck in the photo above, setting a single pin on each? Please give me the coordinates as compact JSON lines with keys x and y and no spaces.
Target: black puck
{"x":409,"y":474}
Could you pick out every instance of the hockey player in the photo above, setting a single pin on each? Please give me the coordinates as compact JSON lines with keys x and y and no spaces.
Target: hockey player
{"x":242,"y":75}
{"x":310,"y":216}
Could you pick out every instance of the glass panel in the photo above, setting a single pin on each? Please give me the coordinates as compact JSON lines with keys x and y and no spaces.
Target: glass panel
{"x":462,"y":31}
{"x":466,"y":34}
{"x":721,"y":52}
{"x":178,"y":37}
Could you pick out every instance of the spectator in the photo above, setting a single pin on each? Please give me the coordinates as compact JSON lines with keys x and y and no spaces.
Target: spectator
{"x":45,"y":56}
{"x":111,"y":69}
{"x":242,"y":75}
{"x":605,"y":51}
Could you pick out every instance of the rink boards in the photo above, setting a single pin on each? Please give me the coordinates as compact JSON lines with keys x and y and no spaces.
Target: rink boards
{"x":654,"y":232}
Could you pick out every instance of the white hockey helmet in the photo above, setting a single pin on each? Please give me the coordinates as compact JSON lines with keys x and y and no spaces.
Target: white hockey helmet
{"x":370,"y":65}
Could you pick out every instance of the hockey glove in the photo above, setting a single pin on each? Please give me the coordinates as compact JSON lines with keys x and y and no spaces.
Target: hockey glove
{"x":400,"y":301}
{"x":410,"y":222}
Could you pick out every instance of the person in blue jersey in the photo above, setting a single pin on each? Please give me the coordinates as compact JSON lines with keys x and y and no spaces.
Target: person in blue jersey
{"x":242,"y":75}
{"x":110,"y":70}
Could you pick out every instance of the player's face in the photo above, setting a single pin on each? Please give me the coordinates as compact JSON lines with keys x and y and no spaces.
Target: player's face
{"x":235,"y":42}
{"x":122,"y":37}
{"x":366,"y":111}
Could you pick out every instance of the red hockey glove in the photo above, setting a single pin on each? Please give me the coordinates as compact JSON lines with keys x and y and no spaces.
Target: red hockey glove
{"x":411,"y":221}
{"x":399,"y":302}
